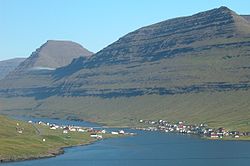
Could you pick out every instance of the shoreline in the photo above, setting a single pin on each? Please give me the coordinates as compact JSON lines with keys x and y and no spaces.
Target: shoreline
{"x":51,"y":151}
{"x":228,"y":138}
{"x":50,"y":154}
{"x":61,"y":150}
{"x":107,"y":126}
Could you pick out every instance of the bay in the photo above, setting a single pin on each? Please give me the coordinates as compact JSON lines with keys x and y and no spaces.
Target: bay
{"x":149,"y":148}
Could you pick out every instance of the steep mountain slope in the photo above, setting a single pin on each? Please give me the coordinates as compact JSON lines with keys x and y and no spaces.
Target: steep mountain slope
{"x":195,"y":53}
{"x":194,"y":68}
{"x":9,"y":65}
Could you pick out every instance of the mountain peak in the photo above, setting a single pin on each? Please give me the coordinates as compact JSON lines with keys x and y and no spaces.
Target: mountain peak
{"x":54,"y":54}
{"x":168,"y":35}
{"x":222,"y":11}
{"x":59,"y":41}
{"x":224,"y":8}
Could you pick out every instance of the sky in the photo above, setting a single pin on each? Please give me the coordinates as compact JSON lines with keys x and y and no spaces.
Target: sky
{"x":26,"y":24}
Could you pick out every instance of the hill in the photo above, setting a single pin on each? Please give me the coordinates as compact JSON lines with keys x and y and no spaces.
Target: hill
{"x":6,"y":66}
{"x":21,"y":141}
{"x":193,"y":68}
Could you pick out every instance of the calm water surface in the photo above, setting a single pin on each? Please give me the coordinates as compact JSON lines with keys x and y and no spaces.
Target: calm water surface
{"x":149,"y":149}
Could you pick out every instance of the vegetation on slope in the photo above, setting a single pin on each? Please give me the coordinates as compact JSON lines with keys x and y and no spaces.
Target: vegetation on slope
{"x":30,"y":145}
{"x":217,"y":109}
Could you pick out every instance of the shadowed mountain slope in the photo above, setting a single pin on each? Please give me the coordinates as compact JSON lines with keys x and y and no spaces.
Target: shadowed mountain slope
{"x":6,"y":66}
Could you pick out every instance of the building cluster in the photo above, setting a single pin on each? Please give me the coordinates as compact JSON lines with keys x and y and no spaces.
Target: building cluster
{"x":94,"y":132}
{"x":181,"y":127}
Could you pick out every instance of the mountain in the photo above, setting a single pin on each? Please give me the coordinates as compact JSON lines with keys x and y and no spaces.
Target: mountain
{"x":9,"y":65}
{"x":193,"y":68}
{"x":168,"y":55}
{"x":35,"y":71}
{"x":54,"y":54}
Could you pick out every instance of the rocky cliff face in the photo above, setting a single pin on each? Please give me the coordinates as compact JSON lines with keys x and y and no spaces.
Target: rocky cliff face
{"x":9,"y":65}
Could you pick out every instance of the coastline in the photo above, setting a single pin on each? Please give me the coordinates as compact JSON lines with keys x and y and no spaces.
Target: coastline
{"x":44,"y":156}
{"x":50,"y":154}
{"x":61,"y":149}
{"x":41,"y":140}
{"x":138,"y":125}
{"x":228,"y":139}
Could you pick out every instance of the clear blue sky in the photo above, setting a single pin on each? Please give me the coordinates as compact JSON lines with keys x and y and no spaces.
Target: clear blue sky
{"x":26,"y":24}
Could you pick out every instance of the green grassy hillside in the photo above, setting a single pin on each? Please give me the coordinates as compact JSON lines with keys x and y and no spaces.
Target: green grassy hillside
{"x":29,"y":144}
{"x":218,"y":109}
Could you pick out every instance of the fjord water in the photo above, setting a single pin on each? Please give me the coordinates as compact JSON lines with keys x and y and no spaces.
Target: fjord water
{"x":150,"y":148}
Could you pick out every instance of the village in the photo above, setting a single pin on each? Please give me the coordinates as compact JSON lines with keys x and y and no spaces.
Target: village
{"x":181,"y":127}
{"x":151,"y":125}
{"x":94,"y":133}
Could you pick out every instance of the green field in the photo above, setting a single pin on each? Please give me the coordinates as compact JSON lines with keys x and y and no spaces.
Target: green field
{"x":30,"y":145}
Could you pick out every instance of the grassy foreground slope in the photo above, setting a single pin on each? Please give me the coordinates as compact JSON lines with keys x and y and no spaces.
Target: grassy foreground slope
{"x":30,"y":145}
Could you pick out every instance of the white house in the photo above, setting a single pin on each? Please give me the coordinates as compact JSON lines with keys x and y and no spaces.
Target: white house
{"x":97,"y":136}
{"x":65,"y":131}
{"x":53,"y":127}
{"x":81,"y":130}
{"x":72,"y":129}
{"x":121,"y":132}
{"x":214,"y":135}
{"x":103,"y":131}
{"x":114,"y":133}
{"x":236,"y":136}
